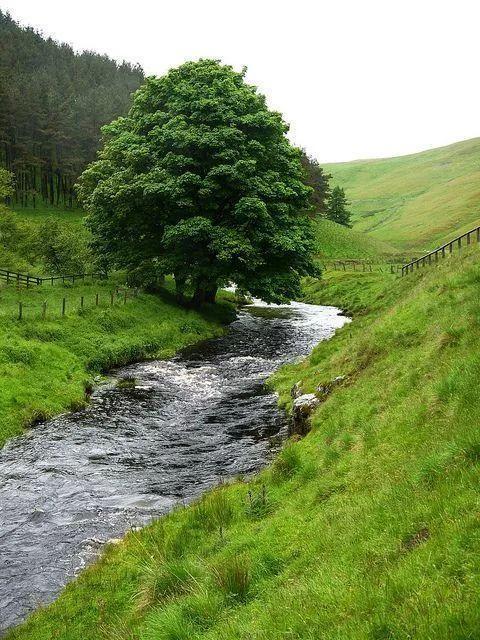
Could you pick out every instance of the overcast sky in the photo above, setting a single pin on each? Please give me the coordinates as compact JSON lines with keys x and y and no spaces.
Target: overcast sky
{"x":354,"y":78}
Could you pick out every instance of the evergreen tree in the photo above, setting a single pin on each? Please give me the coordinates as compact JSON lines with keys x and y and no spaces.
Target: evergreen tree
{"x":318,"y":180}
{"x":200,"y":180}
{"x":52,"y":105}
{"x":337,"y":210}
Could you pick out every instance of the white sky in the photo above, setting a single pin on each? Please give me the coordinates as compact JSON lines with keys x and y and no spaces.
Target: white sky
{"x":354,"y":78}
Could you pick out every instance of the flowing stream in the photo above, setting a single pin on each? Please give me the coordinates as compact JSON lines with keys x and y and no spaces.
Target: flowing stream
{"x":179,"y":427}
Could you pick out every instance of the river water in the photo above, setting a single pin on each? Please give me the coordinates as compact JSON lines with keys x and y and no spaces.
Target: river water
{"x":179,"y":427}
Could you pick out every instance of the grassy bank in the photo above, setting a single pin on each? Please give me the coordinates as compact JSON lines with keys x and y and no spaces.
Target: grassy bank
{"x":418,"y":201}
{"x":335,"y":241}
{"x":46,"y":365}
{"x":367,"y":528}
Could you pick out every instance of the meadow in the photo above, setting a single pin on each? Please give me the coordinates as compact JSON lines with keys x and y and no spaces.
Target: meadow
{"x":366,"y":528}
{"x":414,"y":202}
{"x":49,"y":364}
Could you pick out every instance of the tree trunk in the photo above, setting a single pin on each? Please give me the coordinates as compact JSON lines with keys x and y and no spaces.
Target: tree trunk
{"x":179,"y":286}
{"x":204,"y":294}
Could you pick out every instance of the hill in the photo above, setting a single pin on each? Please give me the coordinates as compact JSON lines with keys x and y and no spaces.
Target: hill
{"x":52,"y":105}
{"x":415,"y":201}
{"x":366,"y":528}
{"x":335,"y":241}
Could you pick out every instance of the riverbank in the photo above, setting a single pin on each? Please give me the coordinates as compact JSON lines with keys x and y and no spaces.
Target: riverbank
{"x":48,"y":366}
{"x":366,"y":528}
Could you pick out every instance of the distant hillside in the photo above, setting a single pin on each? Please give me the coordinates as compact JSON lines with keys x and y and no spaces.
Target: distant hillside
{"x":415,"y":201}
{"x":337,"y":241}
{"x":52,"y":105}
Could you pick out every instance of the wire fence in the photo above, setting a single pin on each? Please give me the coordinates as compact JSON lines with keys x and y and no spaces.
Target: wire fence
{"x":68,"y":305}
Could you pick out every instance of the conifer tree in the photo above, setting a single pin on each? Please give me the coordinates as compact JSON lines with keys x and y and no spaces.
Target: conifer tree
{"x":337,"y":208}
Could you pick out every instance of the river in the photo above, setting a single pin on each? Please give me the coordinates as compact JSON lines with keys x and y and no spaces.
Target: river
{"x":178,"y":427}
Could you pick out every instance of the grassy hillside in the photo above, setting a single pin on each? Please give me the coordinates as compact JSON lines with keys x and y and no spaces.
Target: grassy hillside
{"x":416,"y":201}
{"x":337,"y":241}
{"x":366,"y":529}
{"x":46,"y":365}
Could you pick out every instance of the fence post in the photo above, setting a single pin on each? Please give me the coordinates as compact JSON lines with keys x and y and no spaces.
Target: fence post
{"x":63,"y":306}
{"x":8,"y":277}
{"x":20,"y":310}
{"x":468,"y":237}
{"x":44,"y":309}
{"x":81,"y":302}
{"x":96,"y":299}
{"x":52,"y":281}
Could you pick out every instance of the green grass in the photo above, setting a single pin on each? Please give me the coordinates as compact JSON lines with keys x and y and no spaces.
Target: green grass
{"x":368,"y":528}
{"x":44,"y":211}
{"x":354,"y":292}
{"x":47,"y":365}
{"x":418,"y":201}
{"x":335,"y":241}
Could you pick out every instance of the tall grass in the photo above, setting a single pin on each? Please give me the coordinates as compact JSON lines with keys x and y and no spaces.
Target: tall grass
{"x":372,"y":529}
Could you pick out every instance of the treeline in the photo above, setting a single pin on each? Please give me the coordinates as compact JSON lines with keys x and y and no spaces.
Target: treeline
{"x":52,"y":105}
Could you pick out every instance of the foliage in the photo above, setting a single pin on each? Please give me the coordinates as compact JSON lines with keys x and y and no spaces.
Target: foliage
{"x":417,"y":201}
{"x":380,"y":539}
{"x":337,"y":210}
{"x":316,"y":178}
{"x":17,"y":241}
{"x":64,"y":249}
{"x":199,"y":180}
{"x":52,"y":105}
{"x":7,"y":184}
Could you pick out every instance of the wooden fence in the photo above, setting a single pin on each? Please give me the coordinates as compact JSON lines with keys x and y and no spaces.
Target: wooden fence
{"x":25,"y":279}
{"x":433,"y":256}
{"x":361,"y":266}
{"x":63,"y":306}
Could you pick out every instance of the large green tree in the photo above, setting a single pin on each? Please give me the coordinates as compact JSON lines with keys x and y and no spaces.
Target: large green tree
{"x":200,"y":180}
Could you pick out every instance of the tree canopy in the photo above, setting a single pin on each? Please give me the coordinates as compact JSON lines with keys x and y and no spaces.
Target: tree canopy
{"x":337,"y":208}
{"x":200,"y":180}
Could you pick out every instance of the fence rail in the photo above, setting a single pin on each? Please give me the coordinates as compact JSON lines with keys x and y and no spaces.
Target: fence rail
{"x":25,"y":279}
{"x":442,"y":250}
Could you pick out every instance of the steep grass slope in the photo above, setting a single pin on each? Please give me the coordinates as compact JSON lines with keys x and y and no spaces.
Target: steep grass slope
{"x":416,"y":201}
{"x":368,"y":528}
{"x":335,"y":241}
